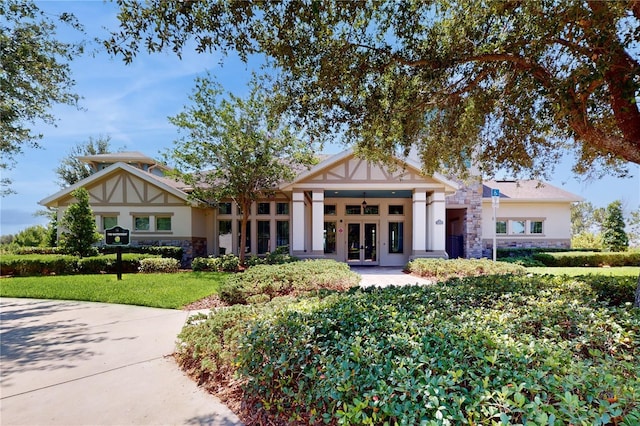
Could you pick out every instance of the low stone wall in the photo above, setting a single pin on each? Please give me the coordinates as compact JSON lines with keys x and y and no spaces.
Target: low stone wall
{"x":487,"y":245}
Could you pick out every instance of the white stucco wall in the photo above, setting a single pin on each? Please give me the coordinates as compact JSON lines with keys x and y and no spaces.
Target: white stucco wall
{"x":556,"y":217}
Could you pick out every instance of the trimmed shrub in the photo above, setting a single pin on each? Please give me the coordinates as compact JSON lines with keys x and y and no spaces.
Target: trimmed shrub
{"x":481,"y":350}
{"x":163,"y":251}
{"x":594,"y":259}
{"x":29,"y":265}
{"x":294,"y":278}
{"x":152,"y":265}
{"x":441,"y":269}
{"x":530,"y":251}
{"x":225,"y":263}
{"x":107,"y":264}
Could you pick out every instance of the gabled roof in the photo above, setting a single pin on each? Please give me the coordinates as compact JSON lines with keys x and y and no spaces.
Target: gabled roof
{"x":130,"y":157}
{"x":171,"y":186}
{"x":330,"y":161}
{"x":527,"y":190}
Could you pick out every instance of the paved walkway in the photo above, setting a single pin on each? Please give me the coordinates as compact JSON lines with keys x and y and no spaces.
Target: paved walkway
{"x":79,"y":363}
{"x":382,"y":276}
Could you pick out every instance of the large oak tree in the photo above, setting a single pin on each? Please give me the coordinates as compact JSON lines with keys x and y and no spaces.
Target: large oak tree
{"x":34,"y":75}
{"x":513,"y":84}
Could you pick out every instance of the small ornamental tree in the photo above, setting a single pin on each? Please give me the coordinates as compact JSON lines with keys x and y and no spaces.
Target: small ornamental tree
{"x":614,"y":237}
{"x":234,"y":150}
{"x":79,"y":226}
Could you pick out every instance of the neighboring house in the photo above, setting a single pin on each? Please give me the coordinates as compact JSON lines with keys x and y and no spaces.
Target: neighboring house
{"x":343,"y":208}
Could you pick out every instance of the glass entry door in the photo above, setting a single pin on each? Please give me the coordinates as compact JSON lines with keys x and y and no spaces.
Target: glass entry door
{"x":362,"y":241}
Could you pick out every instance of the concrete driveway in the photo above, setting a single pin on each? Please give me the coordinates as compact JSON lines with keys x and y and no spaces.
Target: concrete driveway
{"x":80,"y":363}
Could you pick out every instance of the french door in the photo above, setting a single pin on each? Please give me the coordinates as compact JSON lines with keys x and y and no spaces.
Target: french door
{"x":362,"y":243}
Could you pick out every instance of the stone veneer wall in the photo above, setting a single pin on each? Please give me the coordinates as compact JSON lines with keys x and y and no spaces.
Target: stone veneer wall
{"x":195,"y":247}
{"x":524,"y":243}
{"x":470,"y":195}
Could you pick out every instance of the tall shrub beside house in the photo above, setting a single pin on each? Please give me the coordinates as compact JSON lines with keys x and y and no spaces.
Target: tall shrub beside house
{"x":79,"y":226}
{"x":614,"y":237}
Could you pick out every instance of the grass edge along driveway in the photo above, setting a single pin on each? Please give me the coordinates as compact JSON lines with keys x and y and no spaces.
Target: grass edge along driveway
{"x":171,"y":291}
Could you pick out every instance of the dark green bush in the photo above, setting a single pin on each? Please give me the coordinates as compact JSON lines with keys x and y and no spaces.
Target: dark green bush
{"x":613,"y":290}
{"x":528,"y":252}
{"x":595,"y":259}
{"x":163,"y":251}
{"x":278,"y":257}
{"x":483,"y":350}
{"x":441,"y":269}
{"x":288,"y":279}
{"x":107,"y":263}
{"x":29,"y":265}
{"x":527,"y":262}
{"x":159,"y":264}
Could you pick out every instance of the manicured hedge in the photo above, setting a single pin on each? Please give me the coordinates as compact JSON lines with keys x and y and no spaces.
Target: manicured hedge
{"x":441,"y":269}
{"x":264,"y":282}
{"x":530,"y":251}
{"x":595,"y":259}
{"x":43,"y":264}
{"x":37,"y":264}
{"x":483,"y":350}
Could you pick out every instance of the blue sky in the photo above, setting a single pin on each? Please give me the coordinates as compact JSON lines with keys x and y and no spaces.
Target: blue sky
{"x":131,"y":103}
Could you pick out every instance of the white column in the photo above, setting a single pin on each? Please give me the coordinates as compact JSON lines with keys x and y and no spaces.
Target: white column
{"x":437,"y":216}
{"x":419,"y":222}
{"x":297,"y":223}
{"x":317,"y":218}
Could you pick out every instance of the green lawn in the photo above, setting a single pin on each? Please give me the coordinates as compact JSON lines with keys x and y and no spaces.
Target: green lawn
{"x":617,"y":271}
{"x":156,"y":290}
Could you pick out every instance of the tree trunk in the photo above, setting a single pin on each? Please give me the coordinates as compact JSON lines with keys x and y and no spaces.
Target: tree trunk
{"x":245,"y":206}
{"x":636,"y":303}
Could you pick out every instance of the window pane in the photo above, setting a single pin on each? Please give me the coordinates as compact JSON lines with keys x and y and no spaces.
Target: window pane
{"x":501,"y":227}
{"x":224,"y":237}
{"x":372,"y":210}
{"x":224,"y":208}
{"x":282,"y":233}
{"x":282,"y":208}
{"x":330,"y":209}
{"x":329,"y":237}
{"x":264,"y":236}
{"x":396,"y":237}
{"x":163,"y":223}
{"x":264,"y":208}
{"x":353,"y":209}
{"x":109,"y":222}
{"x":396,"y":209}
{"x":536,"y":227}
{"x":141,"y":223}
{"x":518,"y":226}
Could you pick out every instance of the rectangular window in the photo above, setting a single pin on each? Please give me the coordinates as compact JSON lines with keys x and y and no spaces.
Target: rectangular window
{"x":396,"y":209}
{"x":535,"y":227}
{"x":501,"y":227}
{"x":224,"y":208}
{"x":264,"y":208}
{"x":372,"y":210}
{"x":396,"y":237}
{"x":163,"y":223}
{"x":330,"y":237}
{"x":353,"y":209}
{"x":518,"y":226}
{"x":264,"y":236}
{"x":282,"y":233}
{"x":282,"y":208}
{"x":109,"y":222}
{"x":330,"y":209}
{"x":141,"y":223}
{"x":224,"y":237}
{"x":247,"y":249}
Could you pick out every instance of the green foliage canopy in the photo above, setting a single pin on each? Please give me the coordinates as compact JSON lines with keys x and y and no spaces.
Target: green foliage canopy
{"x":79,"y":226}
{"x":35,"y":75}
{"x":232,"y":149}
{"x":512,"y":84}
{"x":614,"y":237}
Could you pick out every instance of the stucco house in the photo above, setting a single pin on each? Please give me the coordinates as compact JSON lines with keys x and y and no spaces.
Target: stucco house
{"x":344,"y":208}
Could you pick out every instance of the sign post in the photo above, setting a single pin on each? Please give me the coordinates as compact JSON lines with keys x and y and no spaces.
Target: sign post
{"x":117,"y":236}
{"x":495,"y":202}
